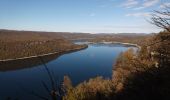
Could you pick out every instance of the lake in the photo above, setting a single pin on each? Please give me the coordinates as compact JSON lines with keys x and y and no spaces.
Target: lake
{"x":96,"y":60}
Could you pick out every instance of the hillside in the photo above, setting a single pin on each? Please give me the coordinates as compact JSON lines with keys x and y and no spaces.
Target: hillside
{"x":142,"y":76}
{"x":17,"y":44}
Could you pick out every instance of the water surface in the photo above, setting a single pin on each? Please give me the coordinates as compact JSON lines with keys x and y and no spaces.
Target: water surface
{"x":96,"y":60}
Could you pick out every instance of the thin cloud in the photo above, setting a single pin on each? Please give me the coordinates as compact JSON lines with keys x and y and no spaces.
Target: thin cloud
{"x":138,"y":8}
{"x":125,"y":26}
{"x":144,"y":14}
{"x":147,"y":3}
{"x":130,"y":3}
{"x":164,"y":5}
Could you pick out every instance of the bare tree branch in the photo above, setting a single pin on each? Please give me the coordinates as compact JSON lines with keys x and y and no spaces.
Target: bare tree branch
{"x":162,"y":18}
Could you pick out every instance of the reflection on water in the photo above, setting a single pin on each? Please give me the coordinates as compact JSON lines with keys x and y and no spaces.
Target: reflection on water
{"x":25,"y":63}
{"x":96,"y":60}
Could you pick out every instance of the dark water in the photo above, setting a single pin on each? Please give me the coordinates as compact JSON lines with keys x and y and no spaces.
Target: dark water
{"x":96,"y":60}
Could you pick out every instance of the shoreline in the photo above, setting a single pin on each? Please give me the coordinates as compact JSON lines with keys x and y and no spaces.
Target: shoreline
{"x":42,"y":55}
{"x":71,"y":50}
{"x":124,"y":43}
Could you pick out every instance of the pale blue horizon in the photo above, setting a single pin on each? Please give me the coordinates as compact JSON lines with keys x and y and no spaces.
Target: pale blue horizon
{"x":87,"y":16}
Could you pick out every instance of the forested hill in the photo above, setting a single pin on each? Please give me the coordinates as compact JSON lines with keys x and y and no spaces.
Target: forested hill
{"x":12,"y":35}
{"x":42,"y":36}
{"x":18,"y":44}
{"x":142,"y":76}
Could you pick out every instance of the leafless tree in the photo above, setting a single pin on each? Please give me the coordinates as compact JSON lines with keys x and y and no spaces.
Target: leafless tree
{"x":161,"y":18}
{"x":161,"y":42}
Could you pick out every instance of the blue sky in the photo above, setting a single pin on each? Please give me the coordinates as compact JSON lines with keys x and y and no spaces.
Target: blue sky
{"x":94,"y":16}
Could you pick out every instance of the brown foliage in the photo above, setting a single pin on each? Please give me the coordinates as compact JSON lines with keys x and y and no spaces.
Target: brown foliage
{"x":95,"y":89}
{"x":17,"y":44}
